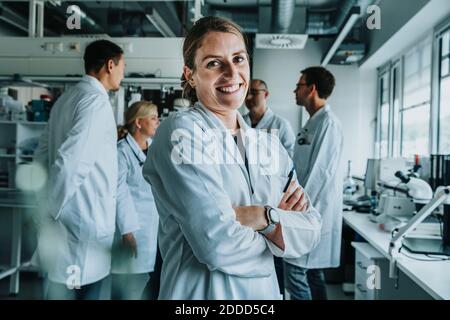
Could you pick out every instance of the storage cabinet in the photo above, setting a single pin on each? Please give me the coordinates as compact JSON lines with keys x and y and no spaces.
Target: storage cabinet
{"x":372,"y":280}
{"x":402,"y":288}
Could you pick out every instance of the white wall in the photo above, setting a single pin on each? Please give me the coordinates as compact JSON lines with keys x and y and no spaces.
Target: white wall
{"x":353,"y":100}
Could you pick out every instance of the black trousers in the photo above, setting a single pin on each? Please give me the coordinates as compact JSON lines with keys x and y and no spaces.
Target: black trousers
{"x":151,"y":291}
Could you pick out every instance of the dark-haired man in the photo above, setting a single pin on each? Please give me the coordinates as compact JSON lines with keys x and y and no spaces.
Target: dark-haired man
{"x":78,"y":150}
{"x":317,"y":156}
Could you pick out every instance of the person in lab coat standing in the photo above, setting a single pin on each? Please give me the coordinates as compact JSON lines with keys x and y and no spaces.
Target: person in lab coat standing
{"x":130,"y":266}
{"x":317,"y":157}
{"x":78,"y":149}
{"x":262,"y":117}
{"x":223,"y":220}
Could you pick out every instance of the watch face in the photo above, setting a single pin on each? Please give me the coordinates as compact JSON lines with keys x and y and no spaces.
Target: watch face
{"x":274,"y":216}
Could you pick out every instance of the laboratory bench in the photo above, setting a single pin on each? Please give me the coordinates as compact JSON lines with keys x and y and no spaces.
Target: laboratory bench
{"x":419,"y":276}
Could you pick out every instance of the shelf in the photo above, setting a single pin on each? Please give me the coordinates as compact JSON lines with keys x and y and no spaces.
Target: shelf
{"x":31,"y":123}
{"x":7,"y":155}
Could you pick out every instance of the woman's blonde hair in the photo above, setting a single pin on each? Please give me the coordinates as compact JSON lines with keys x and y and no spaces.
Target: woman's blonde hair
{"x":193,"y":41}
{"x":140,"y":109}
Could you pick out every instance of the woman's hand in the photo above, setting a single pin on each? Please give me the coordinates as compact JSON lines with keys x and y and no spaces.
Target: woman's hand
{"x":129,"y":242}
{"x":252,"y":216}
{"x":293,"y":199}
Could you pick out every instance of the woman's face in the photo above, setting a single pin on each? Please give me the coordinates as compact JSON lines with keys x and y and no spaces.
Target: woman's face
{"x":148,"y":125}
{"x":221,"y":72}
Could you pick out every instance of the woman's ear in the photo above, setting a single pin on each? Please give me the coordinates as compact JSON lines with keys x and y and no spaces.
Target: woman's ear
{"x":137,"y":123}
{"x":188,"y":73}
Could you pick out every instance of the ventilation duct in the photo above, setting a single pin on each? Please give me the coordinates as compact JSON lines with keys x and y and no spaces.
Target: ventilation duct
{"x":283,"y":11}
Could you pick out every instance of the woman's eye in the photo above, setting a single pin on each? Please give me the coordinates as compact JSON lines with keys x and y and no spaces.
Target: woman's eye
{"x":213,"y":63}
{"x":239,"y":59}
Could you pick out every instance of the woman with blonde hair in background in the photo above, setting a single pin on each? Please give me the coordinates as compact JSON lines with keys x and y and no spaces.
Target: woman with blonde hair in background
{"x":135,"y":243}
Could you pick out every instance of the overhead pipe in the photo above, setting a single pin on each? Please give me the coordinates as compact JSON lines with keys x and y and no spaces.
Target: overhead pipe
{"x":282,"y":13}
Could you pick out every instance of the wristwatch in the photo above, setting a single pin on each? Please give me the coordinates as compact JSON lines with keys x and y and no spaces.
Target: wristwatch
{"x":273,"y":218}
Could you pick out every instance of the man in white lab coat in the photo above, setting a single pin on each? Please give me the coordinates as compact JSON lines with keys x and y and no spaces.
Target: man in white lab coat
{"x":317,"y":156}
{"x":78,"y":151}
{"x":262,"y":117}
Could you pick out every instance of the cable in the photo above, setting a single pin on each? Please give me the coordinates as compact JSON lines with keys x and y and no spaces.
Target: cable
{"x":427,"y":255}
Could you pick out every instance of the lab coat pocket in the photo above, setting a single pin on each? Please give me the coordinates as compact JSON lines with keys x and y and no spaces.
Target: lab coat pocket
{"x":105,"y":216}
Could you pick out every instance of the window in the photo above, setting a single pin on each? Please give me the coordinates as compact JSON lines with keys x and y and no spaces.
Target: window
{"x":384,"y":116}
{"x":389,"y":104}
{"x":395,"y":102}
{"x":414,"y":99}
{"x":444,"y":98}
{"x":415,"y":112}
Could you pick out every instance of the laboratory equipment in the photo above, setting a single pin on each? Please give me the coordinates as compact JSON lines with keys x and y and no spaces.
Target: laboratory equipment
{"x":135,"y":97}
{"x":418,"y":189}
{"x":429,"y":246}
{"x":394,"y":211}
{"x":349,"y":183}
{"x":8,"y":104}
{"x":40,"y":109}
{"x":389,"y":166}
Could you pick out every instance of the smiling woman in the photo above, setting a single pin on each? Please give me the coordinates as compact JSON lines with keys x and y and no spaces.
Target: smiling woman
{"x":209,"y":36}
{"x":218,"y":229}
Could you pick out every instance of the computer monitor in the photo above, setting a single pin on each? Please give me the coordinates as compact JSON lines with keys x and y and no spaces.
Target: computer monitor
{"x":372,"y":172}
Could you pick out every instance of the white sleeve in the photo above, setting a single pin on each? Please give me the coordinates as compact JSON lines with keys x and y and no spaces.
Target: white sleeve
{"x":324,"y":161}
{"x":301,"y":230}
{"x":127,"y":219}
{"x":287,"y":137}
{"x":198,"y":202}
{"x":76,"y":156}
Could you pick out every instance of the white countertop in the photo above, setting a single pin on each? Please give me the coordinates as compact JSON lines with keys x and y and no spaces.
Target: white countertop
{"x":432,"y":276}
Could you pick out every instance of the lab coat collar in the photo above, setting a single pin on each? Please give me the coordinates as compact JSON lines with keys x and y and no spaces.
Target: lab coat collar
{"x":265,"y":118}
{"x":135,"y":147}
{"x":318,"y":114}
{"x":244,"y":128}
{"x":218,"y":123}
{"x":95,"y":83}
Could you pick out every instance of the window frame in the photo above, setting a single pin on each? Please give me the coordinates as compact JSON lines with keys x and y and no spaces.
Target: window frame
{"x":439,"y":31}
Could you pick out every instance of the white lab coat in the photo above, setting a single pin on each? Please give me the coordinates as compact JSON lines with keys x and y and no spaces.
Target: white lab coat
{"x":207,"y":253}
{"x":317,"y":158}
{"x":271,"y":121}
{"x":136,"y":212}
{"x":79,"y":151}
